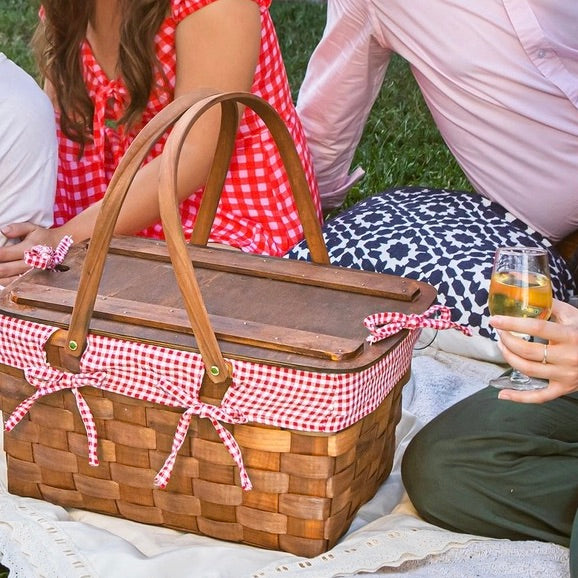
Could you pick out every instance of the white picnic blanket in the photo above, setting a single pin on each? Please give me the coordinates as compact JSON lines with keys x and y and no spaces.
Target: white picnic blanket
{"x":386,"y":538}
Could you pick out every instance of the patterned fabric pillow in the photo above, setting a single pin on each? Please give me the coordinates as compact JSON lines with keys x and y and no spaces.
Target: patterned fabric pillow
{"x":445,"y":238}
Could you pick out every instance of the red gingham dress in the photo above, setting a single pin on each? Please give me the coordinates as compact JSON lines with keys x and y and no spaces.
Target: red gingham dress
{"x":257,"y":212}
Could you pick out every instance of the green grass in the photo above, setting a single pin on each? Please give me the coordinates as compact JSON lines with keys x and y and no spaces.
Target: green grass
{"x":17,"y":21}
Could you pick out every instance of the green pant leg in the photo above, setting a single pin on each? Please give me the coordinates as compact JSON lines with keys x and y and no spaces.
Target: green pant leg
{"x":498,"y":468}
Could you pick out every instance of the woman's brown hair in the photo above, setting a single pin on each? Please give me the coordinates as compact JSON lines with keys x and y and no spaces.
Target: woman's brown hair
{"x":57,"y":44}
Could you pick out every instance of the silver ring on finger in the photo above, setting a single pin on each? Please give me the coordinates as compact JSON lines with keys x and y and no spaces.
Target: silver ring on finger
{"x":545,"y":354}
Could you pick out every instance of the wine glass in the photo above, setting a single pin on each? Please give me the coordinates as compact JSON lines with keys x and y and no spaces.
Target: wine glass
{"x":520,"y":287}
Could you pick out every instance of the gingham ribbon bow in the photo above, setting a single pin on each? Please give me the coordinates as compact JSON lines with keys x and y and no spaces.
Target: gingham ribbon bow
{"x":109,"y":103}
{"x":382,"y":325}
{"x":204,"y":410}
{"x":49,"y":380}
{"x":45,"y":257}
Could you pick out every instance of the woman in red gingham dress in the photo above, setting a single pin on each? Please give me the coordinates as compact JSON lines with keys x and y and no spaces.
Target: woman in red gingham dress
{"x":218,"y":44}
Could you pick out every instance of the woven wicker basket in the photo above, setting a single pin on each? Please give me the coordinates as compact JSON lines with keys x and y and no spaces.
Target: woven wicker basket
{"x":306,"y":487}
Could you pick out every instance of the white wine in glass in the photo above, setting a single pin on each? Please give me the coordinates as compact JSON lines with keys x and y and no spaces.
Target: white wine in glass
{"x":520,"y":287}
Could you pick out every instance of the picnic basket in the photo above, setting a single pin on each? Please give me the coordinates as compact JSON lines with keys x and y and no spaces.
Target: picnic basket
{"x":198,"y":388}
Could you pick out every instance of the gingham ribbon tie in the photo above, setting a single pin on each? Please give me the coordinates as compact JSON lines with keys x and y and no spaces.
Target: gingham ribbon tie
{"x":109,"y":103}
{"x":45,"y":257}
{"x":382,"y":325}
{"x":49,"y":380}
{"x":204,"y":410}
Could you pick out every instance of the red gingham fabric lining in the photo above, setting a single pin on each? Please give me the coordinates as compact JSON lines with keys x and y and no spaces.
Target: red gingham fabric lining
{"x":278,"y":396}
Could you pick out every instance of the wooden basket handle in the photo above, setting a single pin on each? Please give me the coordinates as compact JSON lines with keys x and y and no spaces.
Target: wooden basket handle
{"x":188,"y":107}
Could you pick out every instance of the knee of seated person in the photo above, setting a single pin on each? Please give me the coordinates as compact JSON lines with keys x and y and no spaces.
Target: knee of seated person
{"x":427,"y":466}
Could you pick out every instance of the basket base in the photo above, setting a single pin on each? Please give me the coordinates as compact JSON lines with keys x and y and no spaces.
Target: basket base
{"x":307,"y":487}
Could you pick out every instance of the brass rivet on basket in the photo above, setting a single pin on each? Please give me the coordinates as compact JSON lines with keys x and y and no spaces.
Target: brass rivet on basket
{"x":72,"y":345}
{"x":214,"y":370}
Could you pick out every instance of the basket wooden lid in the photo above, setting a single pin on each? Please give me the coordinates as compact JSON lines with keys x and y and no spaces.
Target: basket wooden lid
{"x":268,"y":309}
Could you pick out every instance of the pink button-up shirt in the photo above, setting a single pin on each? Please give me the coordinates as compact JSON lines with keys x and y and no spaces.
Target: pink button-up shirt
{"x":501,"y":82}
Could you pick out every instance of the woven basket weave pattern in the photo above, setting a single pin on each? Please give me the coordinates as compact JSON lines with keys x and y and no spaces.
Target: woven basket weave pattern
{"x":306,"y":487}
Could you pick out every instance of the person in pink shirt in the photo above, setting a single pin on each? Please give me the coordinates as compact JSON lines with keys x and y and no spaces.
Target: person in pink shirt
{"x":501,"y":82}
{"x":500,"y":79}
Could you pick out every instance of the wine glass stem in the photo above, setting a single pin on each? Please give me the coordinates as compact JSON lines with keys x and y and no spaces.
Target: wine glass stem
{"x":518,"y":377}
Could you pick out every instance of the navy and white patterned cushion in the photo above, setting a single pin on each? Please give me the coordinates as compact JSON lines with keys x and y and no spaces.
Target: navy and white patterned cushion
{"x":445,"y":238}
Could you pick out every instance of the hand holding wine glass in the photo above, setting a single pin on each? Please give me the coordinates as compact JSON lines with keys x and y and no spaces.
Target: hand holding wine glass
{"x":559,"y":335}
{"x":520,"y":287}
